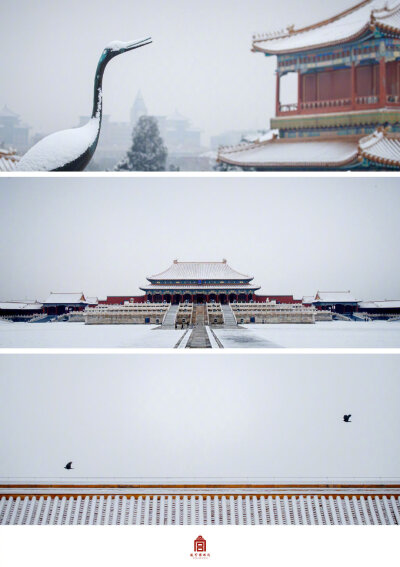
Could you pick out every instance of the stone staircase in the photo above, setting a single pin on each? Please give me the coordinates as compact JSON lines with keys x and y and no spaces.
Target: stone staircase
{"x":341,"y":317}
{"x":199,"y":315}
{"x":229,"y":316}
{"x":170,"y":317}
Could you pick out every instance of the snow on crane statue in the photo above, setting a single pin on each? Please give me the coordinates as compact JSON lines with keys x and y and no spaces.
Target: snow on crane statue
{"x":72,"y":150}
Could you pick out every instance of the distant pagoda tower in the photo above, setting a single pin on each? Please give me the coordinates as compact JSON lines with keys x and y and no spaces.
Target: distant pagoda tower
{"x":347,"y":112}
{"x":138,"y":109}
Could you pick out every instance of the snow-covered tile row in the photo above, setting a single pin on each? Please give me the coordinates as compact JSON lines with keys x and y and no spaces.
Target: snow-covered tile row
{"x":192,"y":510}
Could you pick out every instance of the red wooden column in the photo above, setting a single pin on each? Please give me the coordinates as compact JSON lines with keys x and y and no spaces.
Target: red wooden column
{"x":353,"y":85}
{"x":298,"y":90}
{"x":277,"y":103}
{"x":382,"y":81}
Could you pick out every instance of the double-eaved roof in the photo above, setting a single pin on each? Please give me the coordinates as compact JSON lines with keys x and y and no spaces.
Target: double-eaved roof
{"x":196,"y":271}
{"x":346,"y":26}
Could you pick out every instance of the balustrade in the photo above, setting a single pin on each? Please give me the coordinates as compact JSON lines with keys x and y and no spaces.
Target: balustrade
{"x":336,"y":103}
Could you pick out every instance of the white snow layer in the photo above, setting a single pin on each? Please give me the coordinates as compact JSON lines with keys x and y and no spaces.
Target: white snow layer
{"x":333,"y":31}
{"x":334,"y":334}
{"x":76,"y":335}
{"x":60,"y":148}
{"x":330,"y":334}
{"x":117,"y":45}
{"x":282,"y":152}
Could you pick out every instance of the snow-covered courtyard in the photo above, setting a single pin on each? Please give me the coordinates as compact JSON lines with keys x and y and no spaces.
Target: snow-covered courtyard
{"x":76,"y":335}
{"x":335,"y":334}
{"x":147,"y":418}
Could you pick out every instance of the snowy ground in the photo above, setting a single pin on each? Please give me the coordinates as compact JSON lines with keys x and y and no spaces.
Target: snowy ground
{"x":75,"y":335}
{"x":145,"y":417}
{"x":334,"y":334}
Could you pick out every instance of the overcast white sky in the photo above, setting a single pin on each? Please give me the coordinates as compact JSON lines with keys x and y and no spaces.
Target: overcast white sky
{"x":200,"y":61}
{"x":103,"y":236}
{"x":194,"y":416}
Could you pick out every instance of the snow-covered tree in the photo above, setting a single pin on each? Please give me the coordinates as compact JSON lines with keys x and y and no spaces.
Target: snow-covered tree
{"x":148,"y":152}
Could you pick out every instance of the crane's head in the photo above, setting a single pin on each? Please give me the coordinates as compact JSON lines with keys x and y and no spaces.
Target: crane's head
{"x":117,"y":47}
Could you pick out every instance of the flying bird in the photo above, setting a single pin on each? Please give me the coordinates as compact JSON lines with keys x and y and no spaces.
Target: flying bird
{"x":346,"y":418}
{"x":72,"y":150}
{"x":68,"y":466}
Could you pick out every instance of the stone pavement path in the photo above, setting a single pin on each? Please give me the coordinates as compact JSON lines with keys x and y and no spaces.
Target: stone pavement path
{"x":199,"y":338}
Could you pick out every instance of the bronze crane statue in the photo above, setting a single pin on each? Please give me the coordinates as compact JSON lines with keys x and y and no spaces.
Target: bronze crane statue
{"x":72,"y":150}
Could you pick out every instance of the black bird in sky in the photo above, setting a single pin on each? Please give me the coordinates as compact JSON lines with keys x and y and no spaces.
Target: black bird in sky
{"x":346,"y":418}
{"x":68,"y":466}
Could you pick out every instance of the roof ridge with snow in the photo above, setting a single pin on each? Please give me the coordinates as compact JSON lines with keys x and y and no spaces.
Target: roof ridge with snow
{"x":353,"y":23}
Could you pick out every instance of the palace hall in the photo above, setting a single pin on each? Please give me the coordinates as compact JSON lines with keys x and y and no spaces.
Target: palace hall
{"x":199,"y":282}
{"x":345,"y":114}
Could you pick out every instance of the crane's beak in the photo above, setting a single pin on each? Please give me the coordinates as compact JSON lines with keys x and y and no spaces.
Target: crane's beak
{"x":137,"y":43}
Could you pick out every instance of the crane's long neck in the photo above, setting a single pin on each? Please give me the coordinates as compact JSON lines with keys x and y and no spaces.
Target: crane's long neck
{"x":98,"y":85}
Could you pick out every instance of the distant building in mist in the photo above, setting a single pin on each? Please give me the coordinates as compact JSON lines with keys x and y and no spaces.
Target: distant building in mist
{"x":13,"y":133}
{"x":182,"y":140}
{"x":138,"y":109}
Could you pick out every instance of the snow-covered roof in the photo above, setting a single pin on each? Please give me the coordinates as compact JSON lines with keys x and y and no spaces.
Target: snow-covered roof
{"x":343,"y":27}
{"x":199,"y":271}
{"x":307,"y":299}
{"x":381,"y":147}
{"x":291,"y":153}
{"x":334,"y":297}
{"x":378,"y":505}
{"x":385,"y":304}
{"x":67,"y":298}
{"x":22,"y":305}
{"x":92,"y":300}
{"x":8,"y":160}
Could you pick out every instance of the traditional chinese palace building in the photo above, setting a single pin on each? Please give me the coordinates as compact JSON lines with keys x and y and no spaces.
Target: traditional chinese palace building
{"x":200,"y":282}
{"x":347,"y":112}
